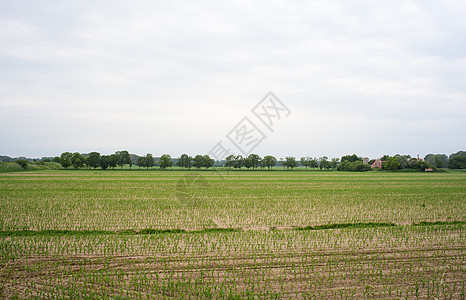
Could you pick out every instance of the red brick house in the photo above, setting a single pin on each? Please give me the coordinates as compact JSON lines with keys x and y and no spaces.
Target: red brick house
{"x":377,"y":164}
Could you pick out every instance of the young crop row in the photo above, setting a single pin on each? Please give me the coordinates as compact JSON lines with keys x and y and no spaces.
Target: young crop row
{"x":388,"y":262}
{"x":132,"y":200}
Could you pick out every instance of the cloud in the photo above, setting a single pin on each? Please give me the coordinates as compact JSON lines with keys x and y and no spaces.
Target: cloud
{"x":176,"y":76}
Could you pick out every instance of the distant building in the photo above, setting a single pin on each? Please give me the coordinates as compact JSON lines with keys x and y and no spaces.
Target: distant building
{"x":365,"y":160}
{"x":377,"y":164}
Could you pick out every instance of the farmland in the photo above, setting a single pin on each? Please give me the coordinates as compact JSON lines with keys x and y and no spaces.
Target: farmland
{"x":227,"y":235}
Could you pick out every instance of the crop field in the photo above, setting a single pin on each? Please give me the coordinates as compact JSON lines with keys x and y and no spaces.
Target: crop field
{"x":232,"y":235}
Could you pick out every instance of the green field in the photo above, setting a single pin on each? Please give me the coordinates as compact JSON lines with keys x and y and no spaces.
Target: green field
{"x":232,"y":235}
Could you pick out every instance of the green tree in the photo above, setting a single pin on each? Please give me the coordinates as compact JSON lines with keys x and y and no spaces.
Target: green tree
{"x":305,"y":161}
{"x":438,"y":160}
{"x":239,"y":162}
{"x":351,"y":158}
{"x":165,"y":161}
{"x":123,"y":158}
{"x":23,"y":163}
{"x":185,"y":161}
{"x":149,"y":161}
{"x":290,"y":162}
{"x":248,"y":162}
{"x":141,"y":162}
{"x":385,"y":157}
{"x":356,"y":166}
{"x":207,"y":162}
{"x":269,"y":161}
{"x":93,"y":159}
{"x":230,"y":161}
{"x":77,"y":163}
{"x":65,"y":159}
{"x":313,"y":163}
{"x":324,"y":163}
{"x":334,"y":163}
{"x":404,"y":161}
{"x":112,"y":161}
{"x":77,"y":160}
{"x":359,"y":166}
{"x":104,"y":162}
{"x":86,"y":161}
{"x":198,"y":161}
{"x":255,"y":160}
{"x":309,"y":162}
{"x":459,"y":153}
{"x":391,"y":163}
{"x":344,"y":166}
{"x":457,"y":162}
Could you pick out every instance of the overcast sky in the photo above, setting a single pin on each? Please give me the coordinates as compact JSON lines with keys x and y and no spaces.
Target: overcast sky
{"x":364,"y":77}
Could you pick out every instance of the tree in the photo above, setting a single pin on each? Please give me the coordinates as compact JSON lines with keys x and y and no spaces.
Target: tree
{"x":23,"y":163}
{"x":77,"y":160}
{"x":77,"y":163}
{"x":334,"y":163}
{"x":94,"y":159}
{"x":255,"y":160}
{"x":239,"y":162}
{"x":198,"y":161}
{"x":438,"y":160}
{"x":351,"y":158}
{"x":344,"y":166}
{"x":290,"y":162}
{"x":248,"y":162}
{"x":149,"y":161}
{"x":207,"y":162}
{"x":145,"y":161}
{"x":65,"y":159}
{"x":269,"y":161}
{"x":185,"y":161}
{"x":86,"y":161}
{"x":313,"y":163}
{"x":391,"y":163}
{"x":309,"y":162}
{"x":305,"y":161}
{"x":404,"y":161}
{"x":104,"y":162}
{"x":359,"y":166}
{"x":457,"y":162}
{"x":459,"y":153}
{"x":112,"y":161}
{"x":324,"y":163}
{"x":165,"y":161}
{"x":356,"y":166}
{"x":422,"y":165}
{"x":385,"y":157}
{"x":141,"y":162}
{"x":56,"y":159}
{"x":123,"y":158}
{"x":230,"y":161}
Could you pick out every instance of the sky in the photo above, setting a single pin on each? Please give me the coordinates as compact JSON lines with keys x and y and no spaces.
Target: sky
{"x":364,"y":77}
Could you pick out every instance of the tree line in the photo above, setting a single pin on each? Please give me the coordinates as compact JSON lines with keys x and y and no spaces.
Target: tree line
{"x":352,"y":162}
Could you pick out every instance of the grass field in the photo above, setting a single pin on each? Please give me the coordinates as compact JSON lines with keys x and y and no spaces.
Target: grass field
{"x":232,"y":235}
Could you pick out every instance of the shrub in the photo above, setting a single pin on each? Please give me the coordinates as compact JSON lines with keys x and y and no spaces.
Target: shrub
{"x":356,"y":166}
{"x":23,"y":163}
{"x":457,"y":162}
